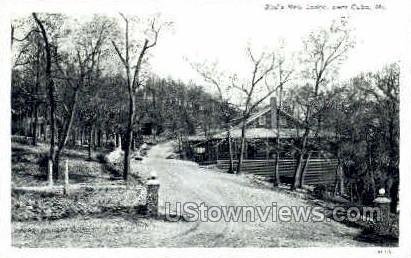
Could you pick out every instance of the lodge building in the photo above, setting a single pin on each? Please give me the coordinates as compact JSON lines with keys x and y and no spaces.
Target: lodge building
{"x":260,"y":147}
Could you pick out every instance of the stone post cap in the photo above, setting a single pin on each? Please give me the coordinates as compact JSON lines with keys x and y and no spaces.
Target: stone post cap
{"x":152,"y":179}
{"x":382,"y":200}
{"x":153,"y":182}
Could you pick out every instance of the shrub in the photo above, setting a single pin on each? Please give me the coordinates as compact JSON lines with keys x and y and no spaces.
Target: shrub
{"x":319,"y":191}
{"x":43,"y":162}
{"x":101,"y":158}
{"x":112,"y":169}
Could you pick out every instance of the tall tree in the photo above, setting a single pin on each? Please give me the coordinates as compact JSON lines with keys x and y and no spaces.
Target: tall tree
{"x":324,"y":50}
{"x":211,"y":75}
{"x":281,"y":73}
{"x":77,"y":70}
{"x":133,"y":78}
{"x":262,"y":67}
{"x":28,"y":61}
{"x":49,"y":83}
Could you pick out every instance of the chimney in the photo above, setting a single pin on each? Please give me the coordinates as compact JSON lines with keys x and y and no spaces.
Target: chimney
{"x":273,"y":105}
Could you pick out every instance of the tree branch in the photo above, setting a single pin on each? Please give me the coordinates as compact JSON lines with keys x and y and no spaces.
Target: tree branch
{"x":119,"y":53}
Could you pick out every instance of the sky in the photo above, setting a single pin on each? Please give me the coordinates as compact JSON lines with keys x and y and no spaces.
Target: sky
{"x":220,"y":31}
{"x":208,"y":31}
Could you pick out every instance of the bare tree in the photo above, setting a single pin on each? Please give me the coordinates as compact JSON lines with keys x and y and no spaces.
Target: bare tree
{"x":77,"y":71}
{"x":49,"y":83}
{"x":211,"y":75}
{"x":324,"y":50}
{"x":262,"y":67}
{"x":133,"y":79}
{"x":36,"y":90}
{"x":29,"y":56}
{"x":276,"y":180}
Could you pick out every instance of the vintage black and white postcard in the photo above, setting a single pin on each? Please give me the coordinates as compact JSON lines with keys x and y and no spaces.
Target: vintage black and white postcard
{"x":215,"y":128}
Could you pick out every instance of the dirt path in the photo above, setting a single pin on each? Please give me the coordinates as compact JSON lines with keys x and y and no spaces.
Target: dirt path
{"x":183,"y":181}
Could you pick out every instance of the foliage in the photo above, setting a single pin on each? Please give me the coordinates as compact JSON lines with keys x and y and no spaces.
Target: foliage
{"x":363,"y":118}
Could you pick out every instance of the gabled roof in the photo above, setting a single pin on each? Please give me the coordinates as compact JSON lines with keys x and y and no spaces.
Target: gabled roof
{"x":253,"y":133}
{"x":267,"y":109}
{"x":262,"y":133}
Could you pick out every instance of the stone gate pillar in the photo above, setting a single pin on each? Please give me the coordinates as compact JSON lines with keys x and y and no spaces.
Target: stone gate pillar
{"x":383,"y":204}
{"x":153,"y":185}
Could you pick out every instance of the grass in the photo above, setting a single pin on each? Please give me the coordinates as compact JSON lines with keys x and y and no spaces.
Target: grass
{"x":27,"y":171}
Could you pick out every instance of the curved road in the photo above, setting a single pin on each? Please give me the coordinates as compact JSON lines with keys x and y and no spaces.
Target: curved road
{"x":184,"y":181}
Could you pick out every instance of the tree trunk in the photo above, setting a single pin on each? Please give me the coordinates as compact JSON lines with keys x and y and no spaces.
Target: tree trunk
{"x":28,"y":130}
{"x":277,"y":159}
{"x":298,"y":170}
{"x":56,"y":165}
{"x":370,"y":172}
{"x":82,"y":137}
{"x":99,"y":138}
{"x":36,"y":119}
{"x":276,"y":179}
{"x":75,"y":137}
{"x":133,"y":141}
{"x":36,"y":91}
{"x":372,"y":184}
{"x":340,"y":174}
{"x":90,"y":136}
{"x":305,"y":169}
{"x":351,"y":193}
{"x":117,"y":140}
{"x":67,"y":129}
{"x":230,"y":152}
{"x":120,"y":141}
{"x":45,"y":131}
{"x":50,"y":85}
{"x":65,"y":132}
{"x":242,"y":147}
{"x":128,"y":136}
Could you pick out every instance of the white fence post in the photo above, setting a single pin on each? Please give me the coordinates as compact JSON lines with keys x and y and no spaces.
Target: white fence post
{"x":50,"y":173}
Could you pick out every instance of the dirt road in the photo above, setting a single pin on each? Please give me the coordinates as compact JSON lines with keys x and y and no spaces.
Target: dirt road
{"x":183,"y":181}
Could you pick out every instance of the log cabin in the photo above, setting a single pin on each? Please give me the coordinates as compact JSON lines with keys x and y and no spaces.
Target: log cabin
{"x":261,"y":147}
